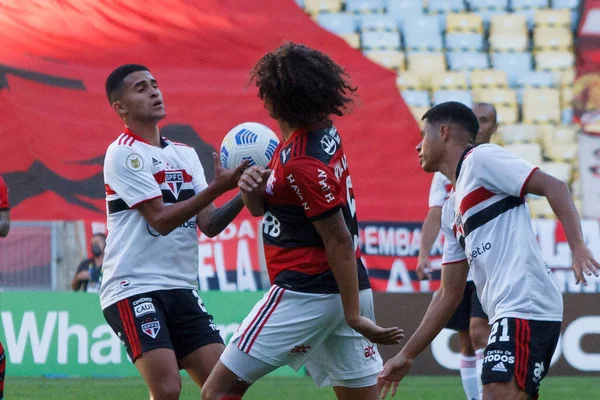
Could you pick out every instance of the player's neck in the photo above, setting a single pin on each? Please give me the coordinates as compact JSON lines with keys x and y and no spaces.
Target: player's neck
{"x":450,"y":162}
{"x":146,"y":130}
{"x":286,"y":130}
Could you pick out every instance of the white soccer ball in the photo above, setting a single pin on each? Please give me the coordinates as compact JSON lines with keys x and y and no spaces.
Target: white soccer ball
{"x":248,"y":141}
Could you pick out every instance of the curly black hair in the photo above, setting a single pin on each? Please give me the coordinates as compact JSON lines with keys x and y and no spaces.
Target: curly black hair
{"x":303,"y":85}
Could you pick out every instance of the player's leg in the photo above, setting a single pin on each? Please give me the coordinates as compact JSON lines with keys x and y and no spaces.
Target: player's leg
{"x":140,"y":322}
{"x":479,"y":331}
{"x":344,"y":390}
{"x":197,"y":342}
{"x":2,"y":370}
{"x":504,"y":390}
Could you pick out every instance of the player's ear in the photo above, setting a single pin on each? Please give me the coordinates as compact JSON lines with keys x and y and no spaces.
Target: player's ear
{"x":444,"y":132}
{"x":119,"y":108}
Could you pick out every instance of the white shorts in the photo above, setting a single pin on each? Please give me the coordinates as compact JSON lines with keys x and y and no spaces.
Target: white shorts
{"x":293,"y":328}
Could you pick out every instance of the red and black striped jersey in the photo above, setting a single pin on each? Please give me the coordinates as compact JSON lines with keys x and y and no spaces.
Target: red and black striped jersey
{"x":310,"y":181}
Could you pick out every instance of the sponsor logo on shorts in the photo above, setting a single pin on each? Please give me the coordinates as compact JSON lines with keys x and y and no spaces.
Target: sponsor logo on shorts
{"x":151,"y":329}
{"x":504,"y":356}
{"x":142,"y":300}
{"x":143,"y":309}
{"x":538,"y":370}
{"x":500,"y":367}
{"x":369,"y":351}
{"x":302,"y":349}
{"x":124,"y":283}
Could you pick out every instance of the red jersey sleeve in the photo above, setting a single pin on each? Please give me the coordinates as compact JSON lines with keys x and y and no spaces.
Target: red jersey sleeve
{"x":4,"y":204}
{"x":316,"y":186}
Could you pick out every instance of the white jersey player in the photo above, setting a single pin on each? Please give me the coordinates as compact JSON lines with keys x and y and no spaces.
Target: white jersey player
{"x":156,"y":195}
{"x":487,"y":226}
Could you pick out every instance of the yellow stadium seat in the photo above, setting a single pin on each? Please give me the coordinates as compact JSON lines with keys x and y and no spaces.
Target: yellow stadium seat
{"x":552,"y":38}
{"x":565,"y":77}
{"x":486,"y":78}
{"x":531,"y":152}
{"x":552,"y":17}
{"x":541,"y":106}
{"x":506,"y":113}
{"x":495,"y":96}
{"x":464,"y":22}
{"x":562,"y":152}
{"x":518,"y":133}
{"x":566,"y":97}
{"x":501,"y":42}
{"x":426,"y":65}
{"x":317,"y":6}
{"x":545,"y":132}
{"x":540,"y":208}
{"x":508,"y":23}
{"x":576,"y":187}
{"x":554,"y":60}
{"x":418,"y":113}
{"x":564,"y":134}
{"x":559,"y":170}
{"x":449,"y":81}
{"x":407,"y":80}
{"x":391,"y":59}
{"x":353,"y":39}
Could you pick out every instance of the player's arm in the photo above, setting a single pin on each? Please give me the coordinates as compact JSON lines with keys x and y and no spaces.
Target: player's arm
{"x":212,"y":220}
{"x":429,"y":233}
{"x":441,"y":308}
{"x":82,"y":274}
{"x":252,"y":184}
{"x":559,"y":197}
{"x":4,"y":222}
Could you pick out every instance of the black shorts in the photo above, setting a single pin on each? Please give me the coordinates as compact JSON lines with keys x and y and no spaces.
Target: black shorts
{"x":173,"y":319}
{"x":520,"y":348}
{"x":469,"y":307}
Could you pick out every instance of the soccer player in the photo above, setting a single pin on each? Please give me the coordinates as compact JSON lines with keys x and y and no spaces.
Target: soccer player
{"x":487,"y":227}
{"x":4,"y":229}
{"x":156,"y":196}
{"x":469,"y":319}
{"x":319,"y":311}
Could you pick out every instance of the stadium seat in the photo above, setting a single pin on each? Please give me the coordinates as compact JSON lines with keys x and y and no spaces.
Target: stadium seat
{"x":559,"y":170}
{"x":380,"y":40}
{"x":571,"y":4}
{"x":365,"y":6}
{"x":426,"y":64}
{"x":445,"y":6}
{"x":566,"y":115}
{"x":540,"y":208}
{"x":552,"y":18}
{"x":425,"y":25}
{"x":531,"y":152}
{"x":479,"y":5}
{"x":576,"y":187}
{"x":462,"y":96}
{"x":513,"y":64}
{"x":404,"y":10}
{"x":454,"y":80}
{"x":507,"y":113}
{"x":464,"y":41}
{"x":316,"y":6}
{"x":429,"y":42}
{"x":541,"y":106}
{"x":524,"y":4}
{"x":464,"y":22}
{"x":528,"y":14}
{"x":563,"y":152}
{"x":545,"y":38}
{"x":486,"y":16}
{"x":518,"y":133}
{"x":338,"y":23}
{"x":564,"y":77}
{"x":552,"y":60}
{"x":467,"y":61}
{"x":407,"y":80}
{"x":300,"y":3}
{"x":566,"y":97}
{"x":495,"y":96}
{"x":416,"y":98}
{"x":564,"y":134}
{"x":488,"y":78}
{"x":378,"y":22}
{"x":536,"y":79}
{"x":508,"y":24}
{"x":353,"y":39}
{"x":418,"y":112}
{"x":390,"y":59}
{"x":503,"y":42}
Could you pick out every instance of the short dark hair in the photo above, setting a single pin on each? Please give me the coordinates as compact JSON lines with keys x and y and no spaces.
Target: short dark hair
{"x":114,"y":82}
{"x":304,"y":85}
{"x":455,"y":113}
{"x":100,"y":235}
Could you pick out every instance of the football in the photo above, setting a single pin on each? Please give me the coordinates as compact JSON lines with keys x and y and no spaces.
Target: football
{"x":248,"y":141}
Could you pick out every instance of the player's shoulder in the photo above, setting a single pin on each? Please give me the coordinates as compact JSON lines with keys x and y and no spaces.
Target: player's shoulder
{"x":319,"y":146}
{"x":485,"y":150}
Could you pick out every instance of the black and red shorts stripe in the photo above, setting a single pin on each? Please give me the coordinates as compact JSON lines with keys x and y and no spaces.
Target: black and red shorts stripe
{"x":522,"y":349}
{"x":173,"y":319}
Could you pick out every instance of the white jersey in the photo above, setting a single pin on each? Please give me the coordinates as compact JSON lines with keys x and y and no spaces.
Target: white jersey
{"x":137,"y":259}
{"x":485,"y":218}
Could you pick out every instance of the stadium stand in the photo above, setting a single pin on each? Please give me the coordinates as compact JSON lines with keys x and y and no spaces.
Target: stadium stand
{"x":517,"y":55}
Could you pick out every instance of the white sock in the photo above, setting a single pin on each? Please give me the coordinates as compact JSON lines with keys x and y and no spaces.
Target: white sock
{"x":479,"y":363}
{"x":468,"y":374}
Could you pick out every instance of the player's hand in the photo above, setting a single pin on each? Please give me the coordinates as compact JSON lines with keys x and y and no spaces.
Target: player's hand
{"x":83,"y":275}
{"x":393,"y":372}
{"x":584,"y":264}
{"x":254,"y":179}
{"x":227,"y":179}
{"x":374,"y":332}
{"x":423,"y":268}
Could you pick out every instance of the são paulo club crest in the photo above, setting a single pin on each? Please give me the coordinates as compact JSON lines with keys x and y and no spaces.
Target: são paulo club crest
{"x":151,"y":328}
{"x":174,"y":179}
